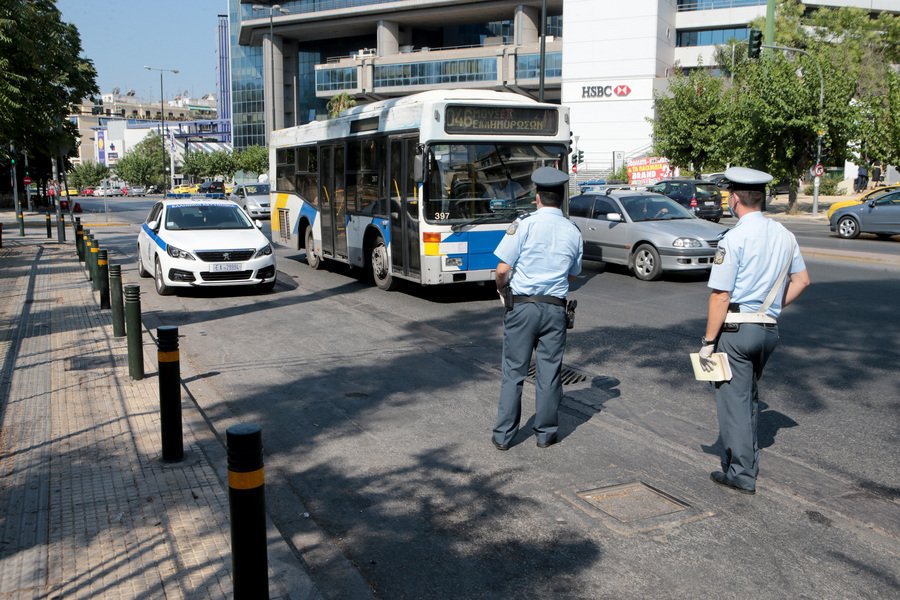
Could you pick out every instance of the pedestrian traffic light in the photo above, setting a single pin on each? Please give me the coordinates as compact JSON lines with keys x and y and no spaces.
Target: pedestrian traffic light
{"x":580,"y":157}
{"x":754,"y":43}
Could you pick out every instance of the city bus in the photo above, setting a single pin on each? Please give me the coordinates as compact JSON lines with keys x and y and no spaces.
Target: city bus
{"x":420,"y":188}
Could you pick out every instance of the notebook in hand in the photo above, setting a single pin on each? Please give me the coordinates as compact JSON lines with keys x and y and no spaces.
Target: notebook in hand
{"x":715,"y":369}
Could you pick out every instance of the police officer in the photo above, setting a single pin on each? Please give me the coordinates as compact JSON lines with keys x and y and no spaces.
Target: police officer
{"x":539,"y":255}
{"x":757,"y":271}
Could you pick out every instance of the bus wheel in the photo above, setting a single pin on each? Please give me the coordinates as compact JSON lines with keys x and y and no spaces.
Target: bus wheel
{"x":381,"y":270}
{"x":311,"y":259}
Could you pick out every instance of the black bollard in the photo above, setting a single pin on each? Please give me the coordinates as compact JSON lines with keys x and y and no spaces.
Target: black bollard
{"x":170,"y":393}
{"x":88,"y":239}
{"x":247,"y":504}
{"x":49,"y":234}
{"x":116,"y":300}
{"x":1,"y":235}
{"x":134,"y":330}
{"x":20,"y":217}
{"x":79,"y":248}
{"x":61,"y":228}
{"x":103,"y":277}
{"x":95,"y":270}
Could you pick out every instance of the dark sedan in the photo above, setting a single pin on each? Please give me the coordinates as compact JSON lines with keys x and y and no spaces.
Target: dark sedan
{"x":702,"y":198}
{"x":880,"y":216}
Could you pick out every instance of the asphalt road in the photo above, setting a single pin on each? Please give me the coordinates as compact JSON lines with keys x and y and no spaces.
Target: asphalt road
{"x":376,"y":410}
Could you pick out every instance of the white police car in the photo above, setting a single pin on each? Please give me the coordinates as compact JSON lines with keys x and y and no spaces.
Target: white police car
{"x":190,"y":243}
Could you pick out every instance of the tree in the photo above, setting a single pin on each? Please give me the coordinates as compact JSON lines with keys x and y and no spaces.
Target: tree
{"x":221,"y":164}
{"x":196,"y":164}
{"x":137,"y":168}
{"x":149,"y":151}
{"x":88,"y":174}
{"x":690,"y":122}
{"x":253,"y":159}
{"x":41,"y":75}
{"x":340,"y":103}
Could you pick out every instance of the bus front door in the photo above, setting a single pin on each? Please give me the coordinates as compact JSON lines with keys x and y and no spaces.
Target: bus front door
{"x":404,"y":208}
{"x":333,"y":201}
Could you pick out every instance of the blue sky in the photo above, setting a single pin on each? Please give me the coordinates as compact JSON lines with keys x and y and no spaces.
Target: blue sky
{"x":121,"y":36}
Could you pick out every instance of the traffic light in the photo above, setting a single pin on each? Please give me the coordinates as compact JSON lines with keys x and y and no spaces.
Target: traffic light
{"x":754,"y":43}
{"x":580,"y":158}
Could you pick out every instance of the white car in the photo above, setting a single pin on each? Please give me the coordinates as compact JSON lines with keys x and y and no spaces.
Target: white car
{"x":187,"y":243}
{"x":254,"y":198}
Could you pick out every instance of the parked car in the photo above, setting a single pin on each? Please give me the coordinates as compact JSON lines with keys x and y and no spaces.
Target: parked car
{"x":871,"y":195}
{"x":647,"y":232}
{"x":71,"y":191}
{"x":200,"y":244}
{"x":88,"y":191}
{"x":184,"y":189}
{"x":880,"y":216}
{"x":137,"y":190}
{"x":253,"y":198}
{"x":216,"y":188}
{"x":702,"y":198}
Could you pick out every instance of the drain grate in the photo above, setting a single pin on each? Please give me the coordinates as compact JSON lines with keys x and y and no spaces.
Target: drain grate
{"x":570,"y":376}
{"x":630,"y":502}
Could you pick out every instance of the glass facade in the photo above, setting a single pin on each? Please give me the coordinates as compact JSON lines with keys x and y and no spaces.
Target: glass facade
{"x":711,"y":37}
{"x":438,"y":71}
{"x":331,"y":80}
{"x":528,"y":66}
{"x":247,"y":104}
{"x":685,"y":5}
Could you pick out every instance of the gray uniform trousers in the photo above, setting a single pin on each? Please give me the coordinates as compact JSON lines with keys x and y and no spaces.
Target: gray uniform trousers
{"x":539,"y":328}
{"x":737,"y":401}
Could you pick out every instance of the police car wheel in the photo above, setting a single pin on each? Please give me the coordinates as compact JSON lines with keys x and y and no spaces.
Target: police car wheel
{"x":381,"y":269}
{"x":646,"y":263}
{"x":311,"y":258}
{"x":141,"y":270}
{"x":161,"y":288}
{"x":848,"y":228}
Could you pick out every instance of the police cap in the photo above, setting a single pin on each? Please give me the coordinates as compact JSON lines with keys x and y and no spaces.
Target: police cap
{"x":742,"y":178}
{"x":549,"y":178}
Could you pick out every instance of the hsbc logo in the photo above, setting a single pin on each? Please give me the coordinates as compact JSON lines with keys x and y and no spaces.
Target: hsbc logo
{"x":605,"y":91}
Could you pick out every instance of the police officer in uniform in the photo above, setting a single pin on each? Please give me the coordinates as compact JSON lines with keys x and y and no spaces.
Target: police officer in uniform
{"x":539,"y":255}
{"x":757,"y":271}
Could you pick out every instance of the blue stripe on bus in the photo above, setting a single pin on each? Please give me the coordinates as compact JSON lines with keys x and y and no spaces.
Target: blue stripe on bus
{"x":481,"y":246}
{"x":309,"y":212}
{"x":159,"y":241}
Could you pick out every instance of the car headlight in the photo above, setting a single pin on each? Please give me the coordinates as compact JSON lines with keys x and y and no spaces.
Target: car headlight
{"x":687,"y":243}
{"x":178,"y":253}
{"x":264,"y":251}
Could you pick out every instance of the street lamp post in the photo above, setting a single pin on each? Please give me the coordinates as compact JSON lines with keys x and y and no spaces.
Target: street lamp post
{"x":272,"y":10}
{"x":821,"y":131}
{"x":162,"y":112}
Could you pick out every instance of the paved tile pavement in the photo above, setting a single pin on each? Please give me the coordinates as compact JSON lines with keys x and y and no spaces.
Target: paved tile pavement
{"x":87,"y":508}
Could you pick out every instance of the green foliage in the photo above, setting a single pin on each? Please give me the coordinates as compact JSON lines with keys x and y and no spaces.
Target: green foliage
{"x":691,"y":121}
{"x":195,"y":164}
{"x":138,"y":168}
{"x":254,"y":159}
{"x":621,"y":174}
{"x":340,"y":103}
{"x":828,"y":186}
{"x":152,"y":153}
{"x":41,"y":75}
{"x":88,"y":174}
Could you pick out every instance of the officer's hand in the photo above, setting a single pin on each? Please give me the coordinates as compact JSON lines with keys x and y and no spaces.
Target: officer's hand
{"x":706,"y":356}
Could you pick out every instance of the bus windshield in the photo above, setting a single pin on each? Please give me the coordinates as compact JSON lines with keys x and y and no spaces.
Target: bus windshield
{"x":484,"y":181}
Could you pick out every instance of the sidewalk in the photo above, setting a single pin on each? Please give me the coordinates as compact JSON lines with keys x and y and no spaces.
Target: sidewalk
{"x":87,"y":509}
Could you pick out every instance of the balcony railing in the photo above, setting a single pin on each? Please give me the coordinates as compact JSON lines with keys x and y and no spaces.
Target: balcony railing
{"x":690,"y":5}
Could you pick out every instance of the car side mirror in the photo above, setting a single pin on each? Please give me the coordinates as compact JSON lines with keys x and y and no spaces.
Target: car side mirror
{"x":153,"y":225}
{"x":871,"y":204}
{"x":614,"y":217}
{"x":258,"y":223}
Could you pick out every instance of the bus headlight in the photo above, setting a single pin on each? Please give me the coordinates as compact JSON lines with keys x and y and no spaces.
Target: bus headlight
{"x":456,"y":262}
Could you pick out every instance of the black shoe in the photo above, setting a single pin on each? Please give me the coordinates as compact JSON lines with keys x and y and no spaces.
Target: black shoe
{"x":548,"y":443}
{"x":722,"y":479}
{"x":499,"y":446}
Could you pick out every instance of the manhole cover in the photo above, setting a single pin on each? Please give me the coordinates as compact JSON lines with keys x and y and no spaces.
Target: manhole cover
{"x":570,"y":376}
{"x":630,"y":502}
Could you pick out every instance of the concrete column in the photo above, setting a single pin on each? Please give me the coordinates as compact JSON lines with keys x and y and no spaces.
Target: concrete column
{"x":291,"y":83}
{"x":273,"y":52}
{"x":527,"y":25}
{"x":388,"y":38}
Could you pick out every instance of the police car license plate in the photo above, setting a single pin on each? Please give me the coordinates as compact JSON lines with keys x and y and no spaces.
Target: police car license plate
{"x":226,"y":267}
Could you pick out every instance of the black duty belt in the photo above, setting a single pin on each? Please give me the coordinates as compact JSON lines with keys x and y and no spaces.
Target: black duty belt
{"x":541,"y":299}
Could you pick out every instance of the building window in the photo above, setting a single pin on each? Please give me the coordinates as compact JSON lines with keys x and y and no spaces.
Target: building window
{"x":434,"y":72}
{"x":528,"y":66}
{"x":688,"y":5}
{"x":710,"y":37}
{"x":330,"y":80}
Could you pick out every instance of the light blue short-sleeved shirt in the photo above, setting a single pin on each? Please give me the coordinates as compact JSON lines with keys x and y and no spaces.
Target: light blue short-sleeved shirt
{"x":543,"y":250}
{"x":749,"y":260}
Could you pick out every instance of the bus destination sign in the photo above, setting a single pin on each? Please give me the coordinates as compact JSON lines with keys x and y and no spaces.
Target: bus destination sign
{"x":501,"y":119}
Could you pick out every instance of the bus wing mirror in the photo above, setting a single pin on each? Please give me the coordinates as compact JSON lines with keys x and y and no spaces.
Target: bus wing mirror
{"x":419,"y":167}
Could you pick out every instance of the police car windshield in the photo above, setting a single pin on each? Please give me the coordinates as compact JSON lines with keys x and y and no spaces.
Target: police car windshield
{"x":206,"y":216}
{"x":484,"y":182}
{"x":653,"y":208}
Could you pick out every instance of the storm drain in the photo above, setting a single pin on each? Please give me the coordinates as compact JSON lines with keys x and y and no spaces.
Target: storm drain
{"x":570,"y":375}
{"x":630,"y":502}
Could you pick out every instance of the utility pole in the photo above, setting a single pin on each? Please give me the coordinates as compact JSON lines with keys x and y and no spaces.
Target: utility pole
{"x":543,"y":48}
{"x":770,"y":22}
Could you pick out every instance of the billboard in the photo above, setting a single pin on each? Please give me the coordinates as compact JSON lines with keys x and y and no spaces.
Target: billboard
{"x":648,"y":170}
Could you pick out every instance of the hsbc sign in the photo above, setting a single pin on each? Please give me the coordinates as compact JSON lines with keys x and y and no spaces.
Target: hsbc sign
{"x":605,"y":91}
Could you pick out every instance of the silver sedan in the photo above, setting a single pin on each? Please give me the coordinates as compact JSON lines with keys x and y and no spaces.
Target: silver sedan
{"x":253,"y":198}
{"x":649,"y":233}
